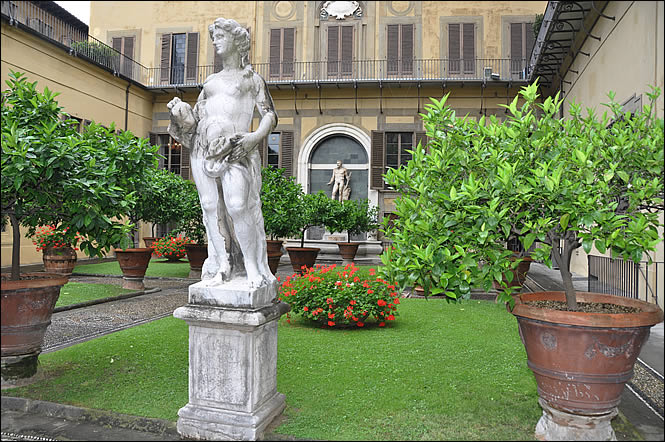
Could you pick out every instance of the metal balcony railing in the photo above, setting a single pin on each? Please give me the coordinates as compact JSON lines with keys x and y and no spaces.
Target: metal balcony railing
{"x":626,"y":278}
{"x":302,"y":72}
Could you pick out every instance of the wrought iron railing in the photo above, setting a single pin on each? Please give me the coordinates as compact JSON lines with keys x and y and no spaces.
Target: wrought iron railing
{"x":478,"y":69}
{"x":626,"y":278}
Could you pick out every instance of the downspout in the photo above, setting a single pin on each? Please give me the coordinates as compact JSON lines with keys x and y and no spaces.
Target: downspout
{"x":127,"y":104}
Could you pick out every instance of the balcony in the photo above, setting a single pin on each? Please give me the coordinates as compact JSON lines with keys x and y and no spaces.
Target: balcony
{"x":359,"y":71}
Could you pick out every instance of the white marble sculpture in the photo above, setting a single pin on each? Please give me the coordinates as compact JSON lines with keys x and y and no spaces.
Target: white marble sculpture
{"x":225,"y":159}
{"x":340,"y":180}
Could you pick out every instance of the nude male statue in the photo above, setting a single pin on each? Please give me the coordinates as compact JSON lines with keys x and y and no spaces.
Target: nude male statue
{"x":225,"y":160}
{"x":340,"y":181}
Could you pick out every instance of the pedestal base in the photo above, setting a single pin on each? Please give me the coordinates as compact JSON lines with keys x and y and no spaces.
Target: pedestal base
{"x":232,"y":361}
{"x":132,"y":283}
{"x":558,"y":425}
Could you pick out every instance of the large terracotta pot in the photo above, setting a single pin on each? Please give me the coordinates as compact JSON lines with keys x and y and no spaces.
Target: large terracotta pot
{"x":59,"y":260}
{"x":581,"y":361}
{"x":348,"y":251}
{"x":149,"y":240}
{"x":27,"y":306}
{"x":273,"y":261}
{"x":196,"y":254}
{"x":134,"y":263}
{"x":274,"y":246}
{"x":302,"y":256}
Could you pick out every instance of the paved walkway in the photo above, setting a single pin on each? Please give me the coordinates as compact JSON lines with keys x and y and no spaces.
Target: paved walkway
{"x":641,"y":405}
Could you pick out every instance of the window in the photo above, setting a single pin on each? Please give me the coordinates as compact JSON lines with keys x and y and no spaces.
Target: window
{"x":399,"y":53}
{"x":176,"y":156}
{"x":340,"y":50}
{"x":390,"y":150}
{"x":125,"y":46}
{"x":282,"y":52}
{"x":521,"y":45}
{"x":278,"y":151}
{"x":461,"y":48}
{"x":179,"y":58}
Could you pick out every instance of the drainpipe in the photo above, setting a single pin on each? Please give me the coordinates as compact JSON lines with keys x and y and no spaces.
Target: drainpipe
{"x":127,"y":104}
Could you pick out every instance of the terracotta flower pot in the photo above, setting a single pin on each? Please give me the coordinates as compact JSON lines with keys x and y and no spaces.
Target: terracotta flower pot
{"x":274,"y":246}
{"x":273,"y":261}
{"x":134,"y":263}
{"x":60,"y":260}
{"x":302,"y":256}
{"x":27,"y":306}
{"x":196,"y":254}
{"x":581,"y":361}
{"x":348,"y":251}
{"x":149,"y":240}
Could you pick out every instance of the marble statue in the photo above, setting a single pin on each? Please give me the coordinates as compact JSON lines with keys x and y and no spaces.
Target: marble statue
{"x":340,"y":180}
{"x":225,"y":159}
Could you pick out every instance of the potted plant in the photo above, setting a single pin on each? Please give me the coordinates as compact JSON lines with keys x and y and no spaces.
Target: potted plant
{"x":58,"y":253}
{"x":279,"y":201}
{"x":590,"y":181}
{"x":353,"y":217}
{"x":53,"y":175}
{"x":191,"y":225}
{"x":313,"y":209}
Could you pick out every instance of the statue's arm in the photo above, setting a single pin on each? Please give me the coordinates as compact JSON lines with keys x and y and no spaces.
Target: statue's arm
{"x":183,"y":121}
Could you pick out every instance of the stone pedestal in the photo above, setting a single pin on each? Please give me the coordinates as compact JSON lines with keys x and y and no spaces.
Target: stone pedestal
{"x":559,"y":425}
{"x":232,"y":361}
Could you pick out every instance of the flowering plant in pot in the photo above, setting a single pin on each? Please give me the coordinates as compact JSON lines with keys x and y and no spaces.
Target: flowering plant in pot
{"x":353,"y":217}
{"x":591,"y":182}
{"x":313,"y":209}
{"x":171,"y":247}
{"x":53,"y":175}
{"x":59,"y":253}
{"x":337,"y":297}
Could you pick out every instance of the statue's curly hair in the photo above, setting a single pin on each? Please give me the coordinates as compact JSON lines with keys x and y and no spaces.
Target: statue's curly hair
{"x":240,"y":37}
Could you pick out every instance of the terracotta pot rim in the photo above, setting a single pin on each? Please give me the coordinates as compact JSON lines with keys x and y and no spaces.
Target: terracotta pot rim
{"x":649,"y":315}
{"x":46,"y":280}
{"x":309,"y":249}
{"x":196,"y":245}
{"x":350,"y":243}
{"x":138,"y":249}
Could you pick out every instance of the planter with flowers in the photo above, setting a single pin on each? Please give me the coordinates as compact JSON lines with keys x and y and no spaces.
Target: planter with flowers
{"x":53,"y":175}
{"x":171,"y":247}
{"x":339,"y":297}
{"x":58,"y":253}
{"x":539,"y":178}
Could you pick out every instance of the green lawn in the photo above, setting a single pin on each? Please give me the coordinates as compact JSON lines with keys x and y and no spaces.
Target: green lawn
{"x":440,"y":372}
{"x":77,"y":292}
{"x":157,"y":267}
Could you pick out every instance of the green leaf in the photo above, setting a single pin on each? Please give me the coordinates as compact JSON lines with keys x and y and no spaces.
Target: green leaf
{"x":563,"y":222}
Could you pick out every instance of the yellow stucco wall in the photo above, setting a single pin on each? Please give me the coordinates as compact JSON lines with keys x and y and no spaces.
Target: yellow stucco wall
{"x":86,"y":91}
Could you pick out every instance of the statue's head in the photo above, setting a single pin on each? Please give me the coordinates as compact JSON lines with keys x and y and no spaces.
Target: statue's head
{"x":240,"y":36}
{"x":339,"y":163}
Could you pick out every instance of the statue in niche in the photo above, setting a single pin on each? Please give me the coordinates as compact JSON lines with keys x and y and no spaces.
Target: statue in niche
{"x":341,"y":182}
{"x":225,"y":158}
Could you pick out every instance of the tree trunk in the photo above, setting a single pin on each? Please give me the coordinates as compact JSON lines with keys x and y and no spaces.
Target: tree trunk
{"x":16,"y":248}
{"x":564,"y":268}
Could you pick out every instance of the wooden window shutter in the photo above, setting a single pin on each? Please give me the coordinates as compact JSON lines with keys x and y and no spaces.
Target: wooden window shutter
{"x":275,"y":52}
{"x":128,"y":51}
{"x":530,"y":40}
{"x":192,"y":58}
{"x":333,"y":49}
{"x":165,"y":65}
{"x":392,"y":49}
{"x":454,"y":46}
{"x":116,"y":42}
{"x":469,"y":48}
{"x":288,"y":50}
{"x":286,"y":152}
{"x":346,"y":49}
{"x":184,"y":162}
{"x":515,"y":47}
{"x":376,"y":168}
{"x":407,"y":48}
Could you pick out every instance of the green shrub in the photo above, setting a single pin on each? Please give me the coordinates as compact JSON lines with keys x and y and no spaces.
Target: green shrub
{"x":336,"y":297}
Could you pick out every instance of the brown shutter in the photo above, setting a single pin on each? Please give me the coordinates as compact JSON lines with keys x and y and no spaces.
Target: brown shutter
{"x":128,"y":51}
{"x":116,"y":42}
{"x":165,"y":65}
{"x":184,"y":162}
{"x":530,"y":40}
{"x":392,"y":49}
{"x":376,"y":168}
{"x":407,"y":49}
{"x":275,"y":54}
{"x":454,"y":48}
{"x":192,"y":56}
{"x":286,"y":152}
{"x":288,"y":51}
{"x":469,"y":48}
{"x":346,"y":49}
{"x":515,"y":47}
{"x":333,"y":49}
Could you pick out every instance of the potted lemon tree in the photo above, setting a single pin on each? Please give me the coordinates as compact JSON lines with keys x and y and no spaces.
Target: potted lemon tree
{"x":353,"y":217}
{"x":590,"y":180}
{"x":53,"y":175}
{"x":191,"y":225}
{"x":313,"y":209}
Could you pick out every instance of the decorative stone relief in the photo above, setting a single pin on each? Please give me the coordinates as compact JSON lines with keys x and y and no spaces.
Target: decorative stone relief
{"x":340,"y":9}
